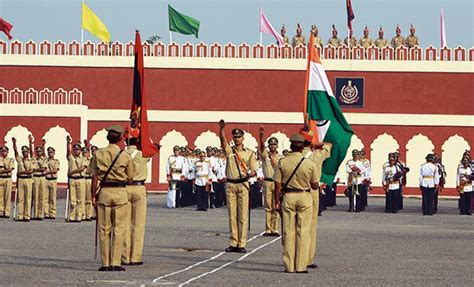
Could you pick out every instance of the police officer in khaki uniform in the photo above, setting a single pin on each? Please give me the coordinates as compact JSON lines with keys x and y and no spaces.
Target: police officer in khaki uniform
{"x":136,"y":207}
{"x":112,"y":198}
{"x":298,"y":39}
{"x":6,"y":168}
{"x":398,"y":40}
{"x":296,"y":205}
{"x":76,"y":181}
{"x":284,"y":36}
{"x":352,"y":42}
{"x":270,"y":160}
{"x":88,"y":209}
{"x":24,"y":181}
{"x":51,"y":174}
{"x":39,"y":182}
{"x":241,"y":165}
{"x":412,"y":40}
{"x":381,"y":42}
{"x":318,"y":42}
{"x":365,"y":42}
{"x":334,"y":40}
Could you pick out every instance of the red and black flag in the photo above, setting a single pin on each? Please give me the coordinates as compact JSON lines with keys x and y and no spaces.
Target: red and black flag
{"x":6,"y":27}
{"x":138,"y":115}
{"x":350,"y":14}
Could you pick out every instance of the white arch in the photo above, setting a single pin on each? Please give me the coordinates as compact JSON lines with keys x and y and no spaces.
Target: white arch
{"x":56,"y":137}
{"x":356,"y":143}
{"x":380,"y":148}
{"x":167,"y":143}
{"x":206,"y":139}
{"x":20,"y":133}
{"x":99,"y":139}
{"x":452,"y":151}
{"x":417,"y":149}
{"x":250,"y":141}
{"x":283,"y":141}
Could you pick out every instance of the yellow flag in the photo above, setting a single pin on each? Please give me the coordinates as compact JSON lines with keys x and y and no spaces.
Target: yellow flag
{"x":93,"y":24}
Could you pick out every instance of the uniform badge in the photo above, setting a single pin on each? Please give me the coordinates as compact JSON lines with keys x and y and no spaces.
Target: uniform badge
{"x":349,"y":93}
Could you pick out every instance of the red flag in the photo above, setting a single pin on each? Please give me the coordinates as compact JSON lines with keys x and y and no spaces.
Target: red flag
{"x":138,"y":115}
{"x":350,"y":14}
{"x":6,"y":27}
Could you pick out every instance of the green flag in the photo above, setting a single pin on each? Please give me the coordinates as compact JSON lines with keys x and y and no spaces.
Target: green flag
{"x":181,"y":23}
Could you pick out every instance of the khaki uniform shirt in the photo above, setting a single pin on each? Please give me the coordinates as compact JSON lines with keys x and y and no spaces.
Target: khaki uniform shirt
{"x":335,"y":42}
{"x":87,"y":162}
{"x":6,"y":163}
{"x":365,"y":42}
{"x":248,"y":163}
{"x":411,"y":41}
{"x":380,"y":43}
{"x":318,"y":42}
{"x":286,"y":40}
{"x":52,"y":164}
{"x":140,"y":163}
{"x":301,"y":40}
{"x":318,"y":157}
{"x":123,"y":169}
{"x":75,"y":163}
{"x":303,"y":177}
{"x":398,"y":41}
{"x":39,"y":162}
{"x":353,"y":42}
{"x":24,"y":164}
{"x":269,"y":162}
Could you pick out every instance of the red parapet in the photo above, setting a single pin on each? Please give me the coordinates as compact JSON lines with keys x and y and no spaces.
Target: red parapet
{"x":216,"y":50}
{"x":329,"y":52}
{"x":59,"y":48}
{"x":272,"y":51}
{"x":201,"y":50}
{"x":257,"y":51}
{"x":460,"y":54}
{"x":88,"y":49}
{"x":343,"y":53}
{"x":117,"y":48}
{"x":373,"y":53}
{"x":159,"y":49}
{"x":30,"y":48}
{"x":75,"y":97}
{"x":244,"y":50}
{"x":60,"y":97}
{"x":45,"y":48}
{"x":300,"y":51}
{"x":129,"y":49}
{"x":16,"y":96}
{"x":401,"y":53}
{"x":286,"y":51}
{"x":16,"y":47}
{"x":173,"y":50}
{"x":3,"y":47}
{"x":146,"y":49}
{"x":358,"y":53}
{"x":46,"y":96}
{"x":230,"y":51}
{"x":103,"y":49}
{"x":471,"y":54}
{"x":31,"y":96}
{"x":430,"y":53}
{"x":4,"y":96}
{"x":416,"y":53}
{"x":187,"y":50}
{"x":387,"y":53}
{"x":445,"y":54}
{"x":74,"y":48}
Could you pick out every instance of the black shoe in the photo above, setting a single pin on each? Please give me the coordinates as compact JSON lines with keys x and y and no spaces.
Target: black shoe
{"x":241,"y":250}
{"x":52,"y":218}
{"x":312,"y":266}
{"x":104,"y":268}
{"x":286,"y":271}
{"x":136,"y":263}
{"x":88,"y":219}
{"x":231,"y":249}
{"x":26,"y":220}
{"x":123,"y":263}
{"x":275,"y":234}
{"x":117,"y":268}
{"x":305,"y":271}
{"x":212,"y":207}
{"x":267,"y":234}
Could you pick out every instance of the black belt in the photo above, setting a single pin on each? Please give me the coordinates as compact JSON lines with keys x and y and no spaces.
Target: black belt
{"x":237,"y":180}
{"x":5,"y":176}
{"x":288,"y":190}
{"x":268,"y":179}
{"x":113,"y":184}
{"x":24,"y":176}
{"x":51,"y":178}
{"x":137,"y":182}
{"x":88,"y":177}
{"x":38,"y":175}
{"x":76,"y":177}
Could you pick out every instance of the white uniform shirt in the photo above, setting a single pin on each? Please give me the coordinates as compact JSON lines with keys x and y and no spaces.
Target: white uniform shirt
{"x":464,"y":173}
{"x":429,"y":175}
{"x":387,"y":177}
{"x":221,"y":169}
{"x":214,"y":165}
{"x":356,"y":179}
{"x":175,"y":167}
{"x":203,"y":172}
{"x":367,"y":169}
{"x":189,"y":163}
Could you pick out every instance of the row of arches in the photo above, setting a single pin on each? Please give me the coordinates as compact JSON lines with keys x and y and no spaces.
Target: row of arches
{"x":416,"y":150}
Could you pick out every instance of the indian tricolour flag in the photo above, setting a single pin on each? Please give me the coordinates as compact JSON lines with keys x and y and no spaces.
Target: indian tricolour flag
{"x":324,"y":116}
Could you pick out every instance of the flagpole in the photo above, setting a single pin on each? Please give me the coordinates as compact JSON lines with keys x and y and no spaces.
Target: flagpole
{"x":82,"y":30}
{"x":171,"y":37}
{"x":260,"y":20}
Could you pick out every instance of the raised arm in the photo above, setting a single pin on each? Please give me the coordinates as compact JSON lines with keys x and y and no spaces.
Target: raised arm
{"x":222,"y":133}
{"x":15,"y":149}
{"x":68,"y":146}
{"x":261,"y":141}
{"x":31,"y":145}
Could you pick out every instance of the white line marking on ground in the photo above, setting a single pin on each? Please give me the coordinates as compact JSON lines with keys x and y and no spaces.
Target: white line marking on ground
{"x":199,"y":263}
{"x":228,"y":263}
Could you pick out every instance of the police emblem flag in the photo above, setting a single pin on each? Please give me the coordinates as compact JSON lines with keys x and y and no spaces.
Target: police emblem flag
{"x":323,"y":115}
{"x":350,"y":92}
{"x":139,"y":127}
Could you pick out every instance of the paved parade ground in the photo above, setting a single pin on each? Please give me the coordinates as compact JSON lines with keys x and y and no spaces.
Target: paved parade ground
{"x":185,"y":246}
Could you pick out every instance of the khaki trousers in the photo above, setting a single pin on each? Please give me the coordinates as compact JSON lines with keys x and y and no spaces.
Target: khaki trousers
{"x":135,"y":224}
{"x":24,"y":189}
{"x":314,"y":226}
{"x":76,"y":196}
{"x":51,"y":194}
{"x":271,"y":215}
{"x":297,"y":208}
{"x":39,"y":193}
{"x":5,"y":195}
{"x":111,"y":214}
{"x":87,"y":202}
{"x":238,"y":206}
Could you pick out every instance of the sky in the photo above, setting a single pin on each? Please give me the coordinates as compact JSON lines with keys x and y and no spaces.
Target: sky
{"x":237,"y":21}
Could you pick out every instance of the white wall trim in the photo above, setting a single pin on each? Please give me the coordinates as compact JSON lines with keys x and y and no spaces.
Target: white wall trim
{"x":179,"y":116}
{"x":238,"y":63}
